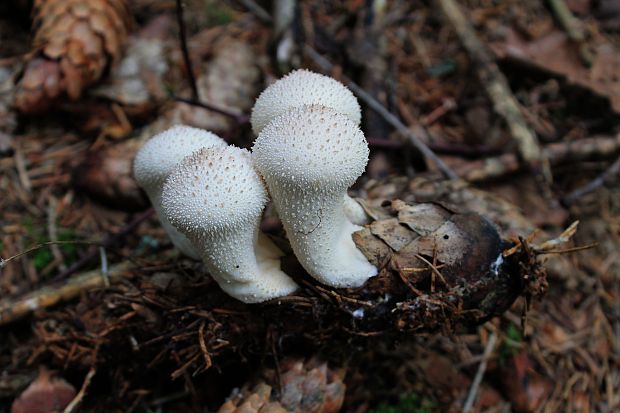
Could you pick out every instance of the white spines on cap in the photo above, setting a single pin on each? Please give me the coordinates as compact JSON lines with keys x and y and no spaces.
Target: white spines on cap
{"x":216,"y":198}
{"x":303,"y":87}
{"x":156,"y":160}
{"x":308,"y":157}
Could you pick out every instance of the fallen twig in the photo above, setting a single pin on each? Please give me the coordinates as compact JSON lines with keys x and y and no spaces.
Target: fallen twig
{"x":475,"y":385}
{"x":71,"y":407}
{"x":599,"y":181}
{"x":195,"y":100}
{"x":107,"y":243}
{"x":239,"y":118}
{"x":556,"y":153}
{"x":573,"y":29}
{"x":496,"y":86}
{"x":375,"y":105}
{"x":14,"y":309}
{"x":183,"y":41}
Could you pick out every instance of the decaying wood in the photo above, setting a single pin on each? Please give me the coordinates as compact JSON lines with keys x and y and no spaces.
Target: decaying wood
{"x":496,"y":86}
{"x":557,"y":154}
{"x":13,"y":310}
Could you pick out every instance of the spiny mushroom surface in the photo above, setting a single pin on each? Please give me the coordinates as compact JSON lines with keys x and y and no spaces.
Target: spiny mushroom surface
{"x":303,"y":87}
{"x":308,"y":157}
{"x":216,"y":198}
{"x":156,"y":160}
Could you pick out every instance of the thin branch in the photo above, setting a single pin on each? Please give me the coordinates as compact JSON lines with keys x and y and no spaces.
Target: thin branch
{"x":45,"y":297}
{"x":498,"y":90}
{"x":185,"y":51}
{"x":598,"y":182}
{"x":107,"y":243}
{"x":4,"y":262}
{"x":262,"y":14}
{"x":390,"y":118}
{"x":71,"y":407}
{"x":475,"y":385}
{"x":239,"y":118}
{"x":557,"y":154}
{"x":573,"y":28}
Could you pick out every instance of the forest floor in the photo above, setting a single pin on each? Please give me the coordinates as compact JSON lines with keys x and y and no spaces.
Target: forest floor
{"x":65,"y":177}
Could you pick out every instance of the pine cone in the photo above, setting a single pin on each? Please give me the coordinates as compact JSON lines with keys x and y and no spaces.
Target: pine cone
{"x":75,"y":42}
{"x":307,"y":387}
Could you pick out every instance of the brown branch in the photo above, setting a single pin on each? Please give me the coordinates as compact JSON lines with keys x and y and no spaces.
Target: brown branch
{"x":556,"y":153}
{"x":498,"y":90}
{"x":186,"y":59}
{"x":573,"y":28}
{"x":389,"y":117}
{"x":239,"y":118}
{"x":14,"y":309}
{"x":599,"y":181}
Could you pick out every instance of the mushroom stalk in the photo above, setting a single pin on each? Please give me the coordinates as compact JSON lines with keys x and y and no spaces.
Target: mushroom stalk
{"x":308,"y":157}
{"x":216,"y":199}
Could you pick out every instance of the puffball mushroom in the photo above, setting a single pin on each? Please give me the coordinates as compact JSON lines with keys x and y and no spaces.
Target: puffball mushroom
{"x":216,"y":198}
{"x":156,"y":160}
{"x":308,"y":157}
{"x":303,"y":87}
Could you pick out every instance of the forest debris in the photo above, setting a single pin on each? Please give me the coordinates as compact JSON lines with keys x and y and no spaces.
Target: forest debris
{"x":524,"y":386}
{"x":392,"y":233}
{"x":608,"y":11}
{"x":573,"y":29}
{"x":15,"y":309}
{"x":508,"y":218}
{"x":139,"y":78}
{"x":498,"y":90}
{"x":390,"y":118}
{"x":596,"y":183}
{"x":305,"y":387}
{"x":557,"y":153}
{"x":563,"y":238}
{"x":229,"y":80}
{"x":554,"y":53}
{"x":46,"y":394}
{"x":74,"y":43}
{"x":107,"y":175}
{"x":473,"y":391}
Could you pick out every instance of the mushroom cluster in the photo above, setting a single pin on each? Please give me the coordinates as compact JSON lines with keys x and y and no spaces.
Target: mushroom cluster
{"x":210,"y":196}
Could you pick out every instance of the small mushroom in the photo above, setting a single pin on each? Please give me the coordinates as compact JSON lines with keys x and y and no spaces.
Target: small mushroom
{"x":216,"y":198}
{"x":303,"y":87}
{"x":156,"y":160}
{"x":308,"y":157}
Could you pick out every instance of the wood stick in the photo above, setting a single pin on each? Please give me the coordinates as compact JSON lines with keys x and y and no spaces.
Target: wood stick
{"x":14,"y":309}
{"x":496,"y":86}
{"x":375,"y":105}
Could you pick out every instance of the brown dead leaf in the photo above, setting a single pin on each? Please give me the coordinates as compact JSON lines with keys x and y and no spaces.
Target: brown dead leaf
{"x":44,"y":395}
{"x":392,"y":233}
{"x":556,"y":54}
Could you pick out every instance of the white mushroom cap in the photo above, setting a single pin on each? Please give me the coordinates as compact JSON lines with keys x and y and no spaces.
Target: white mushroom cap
{"x":216,"y":198}
{"x":303,"y":87}
{"x":158,"y":157}
{"x":308,"y":157}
